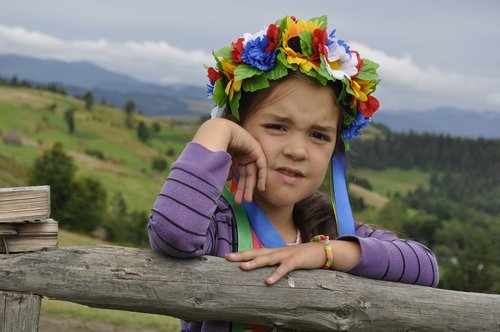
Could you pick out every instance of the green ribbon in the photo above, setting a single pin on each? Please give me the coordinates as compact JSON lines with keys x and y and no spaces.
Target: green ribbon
{"x":244,"y":235}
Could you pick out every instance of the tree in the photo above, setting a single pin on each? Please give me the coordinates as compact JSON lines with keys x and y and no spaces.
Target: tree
{"x":156,"y":127}
{"x":129,"y":109}
{"x":86,"y":208}
{"x":143,"y":132}
{"x":88,"y":97}
{"x":128,"y":228}
{"x":56,"y":169}
{"x":69,"y":117}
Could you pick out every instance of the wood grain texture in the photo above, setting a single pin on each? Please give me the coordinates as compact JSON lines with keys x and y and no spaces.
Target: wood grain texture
{"x":212,"y":288}
{"x":24,"y":203}
{"x":19,"y":312}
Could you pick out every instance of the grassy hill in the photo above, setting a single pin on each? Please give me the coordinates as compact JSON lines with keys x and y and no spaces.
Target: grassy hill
{"x":126,"y":167}
{"x":38,"y":115}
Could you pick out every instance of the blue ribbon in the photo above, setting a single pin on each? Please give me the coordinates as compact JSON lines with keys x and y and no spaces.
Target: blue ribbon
{"x":262,"y":226}
{"x":340,"y":198}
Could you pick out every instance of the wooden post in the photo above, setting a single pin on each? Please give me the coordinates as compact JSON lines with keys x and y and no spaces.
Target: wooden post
{"x":19,"y":312}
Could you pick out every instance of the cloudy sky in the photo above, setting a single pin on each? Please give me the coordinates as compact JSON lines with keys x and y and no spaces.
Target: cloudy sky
{"x":433,"y":53}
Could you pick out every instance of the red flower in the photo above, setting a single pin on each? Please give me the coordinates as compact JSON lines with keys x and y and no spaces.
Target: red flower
{"x":319,"y":45}
{"x":360,"y":62}
{"x":213,"y":74}
{"x":237,"y":51}
{"x":367,"y":108}
{"x":273,"y":35}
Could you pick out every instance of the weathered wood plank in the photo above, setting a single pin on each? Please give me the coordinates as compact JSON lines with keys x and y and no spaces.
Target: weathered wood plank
{"x":24,"y":203}
{"x":19,"y":312}
{"x":212,"y":288}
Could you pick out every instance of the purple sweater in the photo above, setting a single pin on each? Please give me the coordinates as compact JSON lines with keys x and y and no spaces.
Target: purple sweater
{"x":191,"y":218}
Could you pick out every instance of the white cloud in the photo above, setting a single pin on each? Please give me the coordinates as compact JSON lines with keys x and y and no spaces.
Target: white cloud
{"x":154,"y":61}
{"x":408,"y":85}
{"x":405,"y":84}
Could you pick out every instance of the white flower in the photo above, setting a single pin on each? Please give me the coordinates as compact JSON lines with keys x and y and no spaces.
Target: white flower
{"x":248,"y":36}
{"x":217,"y":112}
{"x":340,"y":62}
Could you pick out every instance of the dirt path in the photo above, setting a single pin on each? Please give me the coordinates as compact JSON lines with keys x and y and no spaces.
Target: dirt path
{"x":53,"y":324}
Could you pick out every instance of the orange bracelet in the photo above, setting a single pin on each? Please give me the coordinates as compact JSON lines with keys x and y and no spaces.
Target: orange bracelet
{"x":328,"y":250}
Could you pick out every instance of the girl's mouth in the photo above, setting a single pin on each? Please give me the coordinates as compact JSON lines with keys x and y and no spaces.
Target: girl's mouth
{"x":290,"y":175}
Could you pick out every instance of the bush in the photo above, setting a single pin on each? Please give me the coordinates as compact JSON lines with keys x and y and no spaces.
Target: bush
{"x":95,"y":153}
{"x":159,"y":164}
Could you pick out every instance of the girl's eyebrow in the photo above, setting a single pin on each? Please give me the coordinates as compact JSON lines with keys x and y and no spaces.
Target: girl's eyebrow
{"x":284,"y":119}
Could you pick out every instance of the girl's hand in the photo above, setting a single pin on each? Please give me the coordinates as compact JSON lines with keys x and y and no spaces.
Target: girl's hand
{"x":249,"y":161}
{"x":301,"y":256}
{"x":309,"y":255}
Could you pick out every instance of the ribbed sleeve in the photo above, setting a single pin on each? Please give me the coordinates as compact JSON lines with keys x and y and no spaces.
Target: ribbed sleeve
{"x":182,"y":222}
{"x":386,"y":257}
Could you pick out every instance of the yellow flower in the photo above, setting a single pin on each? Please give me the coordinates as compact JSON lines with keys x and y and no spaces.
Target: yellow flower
{"x":232,"y":84}
{"x":293,"y":29}
{"x":361,"y":89}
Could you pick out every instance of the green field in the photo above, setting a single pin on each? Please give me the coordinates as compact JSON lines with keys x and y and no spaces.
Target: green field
{"x":391,"y":181}
{"x":127,"y":164}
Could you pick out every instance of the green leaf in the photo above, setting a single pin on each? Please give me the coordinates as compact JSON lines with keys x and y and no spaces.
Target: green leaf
{"x":277,"y":72}
{"x":256,"y":83}
{"x":323,"y":21}
{"x":282,"y":58}
{"x":243,"y":71}
{"x":369,"y":71}
{"x":235,"y":104}
{"x":220,"y":96}
{"x":323,"y":71}
{"x":224,"y":52}
{"x":306,"y":41}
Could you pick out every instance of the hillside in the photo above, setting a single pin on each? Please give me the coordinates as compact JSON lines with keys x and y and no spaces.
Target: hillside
{"x":125,"y":162}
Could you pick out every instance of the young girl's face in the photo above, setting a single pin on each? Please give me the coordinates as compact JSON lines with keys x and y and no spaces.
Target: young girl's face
{"x":297,"y":128}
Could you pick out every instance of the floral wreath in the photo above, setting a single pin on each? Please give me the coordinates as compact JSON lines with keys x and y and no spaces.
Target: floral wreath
{"x":292,"y":44}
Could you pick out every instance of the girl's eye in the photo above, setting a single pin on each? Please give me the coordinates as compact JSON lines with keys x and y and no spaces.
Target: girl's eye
{"x":275,"y":126}
{"x":321,"y":137}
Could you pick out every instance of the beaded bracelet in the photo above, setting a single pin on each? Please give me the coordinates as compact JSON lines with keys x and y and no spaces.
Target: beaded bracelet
{"x":328,"y":250}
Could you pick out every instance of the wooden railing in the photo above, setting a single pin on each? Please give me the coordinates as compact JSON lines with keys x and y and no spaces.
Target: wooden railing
{"x":212,"y":288}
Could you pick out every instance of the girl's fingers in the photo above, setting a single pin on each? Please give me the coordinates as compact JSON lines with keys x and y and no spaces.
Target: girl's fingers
{"x":247,"y":255}
{"x":279,"y":273}
{"x":240,"y":190}
{"x":261,"y":165}
{"x":251,"y":179}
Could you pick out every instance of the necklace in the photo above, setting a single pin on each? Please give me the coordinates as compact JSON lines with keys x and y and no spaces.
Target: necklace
{"x":297,"y":239}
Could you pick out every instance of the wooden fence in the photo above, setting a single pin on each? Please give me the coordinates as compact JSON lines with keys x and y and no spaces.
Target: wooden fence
{"x":212,"y":288}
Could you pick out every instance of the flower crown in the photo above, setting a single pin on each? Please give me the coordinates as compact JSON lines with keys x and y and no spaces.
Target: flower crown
{"x":292,"y":44}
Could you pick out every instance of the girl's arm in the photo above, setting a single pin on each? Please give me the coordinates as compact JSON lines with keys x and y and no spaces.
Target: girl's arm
{"x":386,"y":257}
{"x":372,"y":254}
{"x":182,"y":222}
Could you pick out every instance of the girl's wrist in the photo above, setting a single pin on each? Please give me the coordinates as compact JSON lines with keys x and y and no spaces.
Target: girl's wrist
{"x":214,"y":134}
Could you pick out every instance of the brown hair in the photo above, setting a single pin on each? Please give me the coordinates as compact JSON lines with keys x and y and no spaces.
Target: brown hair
{"x":314,"y":214}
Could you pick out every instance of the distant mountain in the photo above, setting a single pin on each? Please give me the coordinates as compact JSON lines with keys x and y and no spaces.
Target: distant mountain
{"x":161,"y":100}
{"x":451,"y":121}
{"x":114,"y":88}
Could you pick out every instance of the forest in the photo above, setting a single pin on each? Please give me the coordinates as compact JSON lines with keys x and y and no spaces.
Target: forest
{"x":457,"y":214}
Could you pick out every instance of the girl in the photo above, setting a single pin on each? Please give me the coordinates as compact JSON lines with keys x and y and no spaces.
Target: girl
{"x":288,"y":100}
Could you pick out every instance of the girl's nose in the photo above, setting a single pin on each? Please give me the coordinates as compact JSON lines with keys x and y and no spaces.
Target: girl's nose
{"x":295,"y":148}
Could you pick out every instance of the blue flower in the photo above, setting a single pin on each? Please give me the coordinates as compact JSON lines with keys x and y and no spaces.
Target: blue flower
{"x":210,"y":89}
{"x":353,"y":130}
{"x":255,"y":55}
